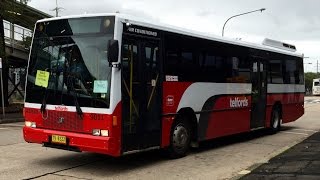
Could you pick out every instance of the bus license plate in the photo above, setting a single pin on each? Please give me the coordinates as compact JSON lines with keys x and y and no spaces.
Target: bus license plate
{"x":59,"y":139}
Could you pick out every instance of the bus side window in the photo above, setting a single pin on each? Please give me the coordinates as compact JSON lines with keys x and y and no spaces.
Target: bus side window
{"x":276,"y":74}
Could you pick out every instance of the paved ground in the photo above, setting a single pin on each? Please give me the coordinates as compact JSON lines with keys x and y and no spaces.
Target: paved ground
{"x":223,"y":158}
{"x":311,"y":101}
{"x":300,"y":162}
{"x":11,"y":117}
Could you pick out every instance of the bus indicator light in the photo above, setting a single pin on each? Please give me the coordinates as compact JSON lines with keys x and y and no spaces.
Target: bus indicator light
{"x":114,"y":120}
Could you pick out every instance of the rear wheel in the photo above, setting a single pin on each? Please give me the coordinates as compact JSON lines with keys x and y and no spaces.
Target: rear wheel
{"x":275,"y":123}
{"x":180,"y":138}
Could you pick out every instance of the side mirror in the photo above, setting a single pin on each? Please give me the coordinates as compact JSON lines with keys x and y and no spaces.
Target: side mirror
{"x":113,"y":51}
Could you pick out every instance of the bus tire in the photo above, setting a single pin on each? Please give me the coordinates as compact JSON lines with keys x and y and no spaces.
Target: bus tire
{"x":180,"y":138}
{"x":275,"y":122}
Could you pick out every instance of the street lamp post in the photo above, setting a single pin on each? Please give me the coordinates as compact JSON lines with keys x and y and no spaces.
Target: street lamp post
{"x":262,"y":9}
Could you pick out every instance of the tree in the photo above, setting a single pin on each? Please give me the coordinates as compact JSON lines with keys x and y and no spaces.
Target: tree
{"x":7,"y":10}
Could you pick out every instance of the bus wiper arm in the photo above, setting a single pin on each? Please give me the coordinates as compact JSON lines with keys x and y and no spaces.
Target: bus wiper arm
{"x":44,"y":102}
{"x":74,"y":93}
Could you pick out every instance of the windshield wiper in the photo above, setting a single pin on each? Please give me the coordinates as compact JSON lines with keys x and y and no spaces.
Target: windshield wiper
{"x":44,"y":101}
{"x":74,"y":93}
{"x":44,"y":104}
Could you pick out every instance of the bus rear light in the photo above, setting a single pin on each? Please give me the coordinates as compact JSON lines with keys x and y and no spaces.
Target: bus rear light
{"x":30,"y":124}
{"x":114,"y":120}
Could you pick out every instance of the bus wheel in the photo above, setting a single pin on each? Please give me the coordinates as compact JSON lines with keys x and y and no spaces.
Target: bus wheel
{"x":275,"y":121}
{"x":180,"y":138}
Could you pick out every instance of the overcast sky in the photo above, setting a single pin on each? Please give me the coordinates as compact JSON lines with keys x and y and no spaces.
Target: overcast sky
{"x":292,"y":21}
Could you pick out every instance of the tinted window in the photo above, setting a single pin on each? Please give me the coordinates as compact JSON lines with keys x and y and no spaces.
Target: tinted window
{"x":286,"y":70}
{"x":275,"y":72}
{"x":69,"y":27}
{"x":205,"y":61}
{"x":299,"y":74}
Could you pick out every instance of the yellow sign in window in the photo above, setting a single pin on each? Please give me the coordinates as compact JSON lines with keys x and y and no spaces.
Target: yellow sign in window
{"x":42,"y":78}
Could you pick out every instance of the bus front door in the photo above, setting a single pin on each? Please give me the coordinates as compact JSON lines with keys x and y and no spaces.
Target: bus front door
{"x":141,"y":100}
{"x":259,"y":93}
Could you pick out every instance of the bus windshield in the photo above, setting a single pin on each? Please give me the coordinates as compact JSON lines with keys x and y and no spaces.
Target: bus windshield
{"x":74,"y":55}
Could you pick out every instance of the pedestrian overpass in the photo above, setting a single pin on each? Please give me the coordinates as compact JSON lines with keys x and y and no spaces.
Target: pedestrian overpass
{"x":18,"y":29}
{"x":16,"y":44}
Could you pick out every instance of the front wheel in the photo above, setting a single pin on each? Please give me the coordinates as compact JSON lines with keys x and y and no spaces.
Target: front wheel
{"x":180,"y":139}
{"x":275,"y":122}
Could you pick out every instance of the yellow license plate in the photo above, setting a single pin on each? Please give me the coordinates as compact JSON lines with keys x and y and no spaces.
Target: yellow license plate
{"x":59,"y":139}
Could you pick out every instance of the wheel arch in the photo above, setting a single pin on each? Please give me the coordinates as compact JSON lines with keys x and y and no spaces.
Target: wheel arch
{"x":189,"y":114}
{"x":278,"y":105}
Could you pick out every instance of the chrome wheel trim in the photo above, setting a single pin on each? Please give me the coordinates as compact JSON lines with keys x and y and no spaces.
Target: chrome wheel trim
{"x":276,"y":120}
{"x":180,"y":137}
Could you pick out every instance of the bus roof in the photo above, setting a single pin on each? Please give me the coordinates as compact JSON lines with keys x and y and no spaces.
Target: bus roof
{"x":160,"y":26}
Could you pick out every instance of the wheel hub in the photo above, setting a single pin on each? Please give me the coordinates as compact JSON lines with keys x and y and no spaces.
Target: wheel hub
{"x":276,"y":120}
{"x":180,"y":136}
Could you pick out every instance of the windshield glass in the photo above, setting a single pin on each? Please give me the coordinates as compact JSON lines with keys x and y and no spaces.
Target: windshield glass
{"x":68,"y":61}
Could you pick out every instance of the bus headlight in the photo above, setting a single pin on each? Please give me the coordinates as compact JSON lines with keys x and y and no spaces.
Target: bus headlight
{"x":104,"y":132}
{"x":30,"y":124}
{"x":100,"y":132}
{"x":96,"y":132}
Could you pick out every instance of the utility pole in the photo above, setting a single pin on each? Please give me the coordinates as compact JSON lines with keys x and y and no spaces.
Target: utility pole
{"x":57,"y":9}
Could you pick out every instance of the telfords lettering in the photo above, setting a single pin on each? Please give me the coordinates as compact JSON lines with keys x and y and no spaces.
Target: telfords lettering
{"x":61,"y":108}
{"x":238,"y":102}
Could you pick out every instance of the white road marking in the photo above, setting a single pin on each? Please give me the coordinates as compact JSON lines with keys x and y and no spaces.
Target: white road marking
{"x":13,"y":125}
{"x":312,"y":101}
{"x":310,"y":130}
{"x":305,"y":134}
{"x":244,"y":172}
{"x":3,"y":128}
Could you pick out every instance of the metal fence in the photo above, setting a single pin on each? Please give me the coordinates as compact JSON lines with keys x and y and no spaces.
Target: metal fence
{"x":16,"y":35}
{"x":16,"y":84}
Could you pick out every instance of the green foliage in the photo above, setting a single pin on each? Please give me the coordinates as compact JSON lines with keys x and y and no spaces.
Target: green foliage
{"x":309,"y":76}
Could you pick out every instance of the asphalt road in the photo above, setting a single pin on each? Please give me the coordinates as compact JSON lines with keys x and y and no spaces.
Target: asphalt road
{"x":223,"y":158}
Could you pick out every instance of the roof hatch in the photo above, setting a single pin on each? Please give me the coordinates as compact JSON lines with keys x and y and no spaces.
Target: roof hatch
{"x":280,"y":45}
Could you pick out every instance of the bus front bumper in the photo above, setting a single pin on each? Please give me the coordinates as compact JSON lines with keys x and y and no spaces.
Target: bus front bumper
{"x":81,"y":142}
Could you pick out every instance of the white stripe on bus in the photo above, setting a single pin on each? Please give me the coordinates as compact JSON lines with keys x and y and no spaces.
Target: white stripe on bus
{"x":286,"y":88}
{"x":70,"y":108}
{"x":199,"y":93}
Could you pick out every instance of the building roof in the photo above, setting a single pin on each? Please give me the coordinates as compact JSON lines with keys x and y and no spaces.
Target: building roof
{"x":23,"y":15}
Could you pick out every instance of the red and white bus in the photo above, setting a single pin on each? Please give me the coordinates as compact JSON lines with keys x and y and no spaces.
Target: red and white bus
{"x":113,"y":84}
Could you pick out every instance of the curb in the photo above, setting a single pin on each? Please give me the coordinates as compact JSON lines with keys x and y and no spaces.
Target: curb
{"x":266,"y":160}
{"x":11,"y":120}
